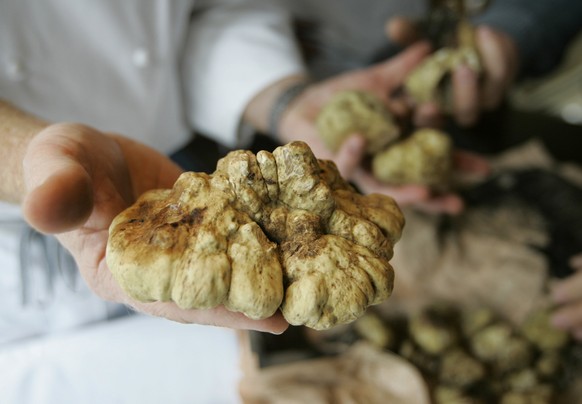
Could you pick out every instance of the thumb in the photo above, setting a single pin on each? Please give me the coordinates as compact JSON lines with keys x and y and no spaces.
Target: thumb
{"x":392,"y":72}
{"x":350,"y":155}
{"x":60,"y":195}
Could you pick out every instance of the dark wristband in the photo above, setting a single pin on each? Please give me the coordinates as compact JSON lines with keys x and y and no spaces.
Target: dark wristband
{"x":281,"y":103}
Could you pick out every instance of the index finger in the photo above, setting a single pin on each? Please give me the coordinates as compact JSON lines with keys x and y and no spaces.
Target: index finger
{"x":350,"y":154}
{"x":394,"y":70}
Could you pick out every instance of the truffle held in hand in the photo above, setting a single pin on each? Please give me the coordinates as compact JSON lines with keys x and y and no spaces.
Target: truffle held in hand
{"x":425,"y":157}
{"x":356,"y":112}
{"x":428,"y":81}
{"x":275,"y":230}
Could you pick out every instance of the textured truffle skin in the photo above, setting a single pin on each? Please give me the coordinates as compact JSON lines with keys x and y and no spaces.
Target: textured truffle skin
{"x":460,"y":369}
{"x":357,"y":112}
{"x":423,"y":84}
{"x":537,"y":329}
{"x":264,"y":232}
{"x":190,"y":244}
{"x":423,"y":158}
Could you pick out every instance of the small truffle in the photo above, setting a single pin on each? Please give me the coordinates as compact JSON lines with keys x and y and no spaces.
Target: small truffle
{"x":487,"y":343}
{"x":538,"y":329}
{"x":460,"y":370}
{"x":428,"y":81}
{"x":434,"y":329}
{"x":372,"y":329}
{"x":357,"y":112}
{"x":423,"y":158}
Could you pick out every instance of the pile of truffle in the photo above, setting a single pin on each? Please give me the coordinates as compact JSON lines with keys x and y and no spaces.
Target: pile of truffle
{"x":472,"y":355}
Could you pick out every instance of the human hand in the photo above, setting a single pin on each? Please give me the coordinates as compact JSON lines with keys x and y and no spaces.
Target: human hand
{"x":467,"y":167}
{"x":567,"y":295}
{"x":298,"y":123}
{"x":77,"y":181}
{"x":381,"y":80}
{"x":472,"y":93}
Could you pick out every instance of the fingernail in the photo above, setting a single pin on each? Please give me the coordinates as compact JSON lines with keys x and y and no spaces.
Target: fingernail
{"x":463,"y":68}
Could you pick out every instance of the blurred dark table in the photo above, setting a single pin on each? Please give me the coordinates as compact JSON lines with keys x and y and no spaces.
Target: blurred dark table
{"x":508,"y":127}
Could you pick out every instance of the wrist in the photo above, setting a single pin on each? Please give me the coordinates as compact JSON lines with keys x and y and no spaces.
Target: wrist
{"x":266,"y":109}
{"x":17,"y":129}
{"x":281,"y":107}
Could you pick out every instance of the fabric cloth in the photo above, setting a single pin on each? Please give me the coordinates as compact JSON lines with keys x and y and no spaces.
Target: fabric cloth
{"x":38,"y":298}
{"x":135,"y":359}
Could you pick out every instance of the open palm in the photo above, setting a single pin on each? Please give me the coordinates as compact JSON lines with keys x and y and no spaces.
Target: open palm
{"x":78,"y":180}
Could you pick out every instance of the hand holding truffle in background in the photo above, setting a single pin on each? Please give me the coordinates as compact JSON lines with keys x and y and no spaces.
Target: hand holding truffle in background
{"x":476,"y":85}
{"x":381,"y":81}
{"x":420,"y":162}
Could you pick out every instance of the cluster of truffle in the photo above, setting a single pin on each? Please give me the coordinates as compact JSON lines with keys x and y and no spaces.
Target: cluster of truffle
{"x":473,"y":355}
{"x":424,"y":157}
{"x":264,"y":232}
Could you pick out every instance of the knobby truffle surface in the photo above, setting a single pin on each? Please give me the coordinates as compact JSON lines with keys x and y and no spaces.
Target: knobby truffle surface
{"x":428,"y":82}
{"x":353,"y":112}
{"x":263,"y":232}
{"x":425,"y":157}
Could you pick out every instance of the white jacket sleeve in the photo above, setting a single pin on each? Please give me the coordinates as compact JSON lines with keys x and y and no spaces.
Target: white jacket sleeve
{"x":234,"y":49}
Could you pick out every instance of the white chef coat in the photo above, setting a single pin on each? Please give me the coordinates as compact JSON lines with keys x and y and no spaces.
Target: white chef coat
{"x":154,"y":70}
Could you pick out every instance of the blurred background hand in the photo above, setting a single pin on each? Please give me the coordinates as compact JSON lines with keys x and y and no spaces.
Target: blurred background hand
{"x":382,"y":80}
{"x":472,"y":93}
{"x":420,"y":197}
